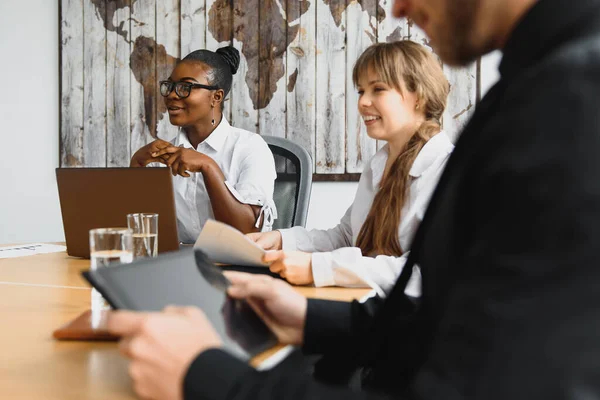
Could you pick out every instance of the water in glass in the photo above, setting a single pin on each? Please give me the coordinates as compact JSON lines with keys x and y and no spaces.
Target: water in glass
{"x":145,"y":245}
{"x":106,"y":258}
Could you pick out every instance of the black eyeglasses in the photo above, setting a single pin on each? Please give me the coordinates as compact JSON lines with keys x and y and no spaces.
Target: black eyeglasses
{"x":182,"y":89}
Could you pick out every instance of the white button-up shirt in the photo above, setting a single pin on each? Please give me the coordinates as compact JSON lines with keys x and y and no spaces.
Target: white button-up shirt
{"x":249,"y":169}
{"x":335,"y":260}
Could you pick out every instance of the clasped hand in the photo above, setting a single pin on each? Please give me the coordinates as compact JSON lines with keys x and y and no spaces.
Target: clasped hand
{"x":179,"y":159}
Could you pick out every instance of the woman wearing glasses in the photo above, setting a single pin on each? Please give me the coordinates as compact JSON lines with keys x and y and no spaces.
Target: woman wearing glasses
{"x":220,"y":171}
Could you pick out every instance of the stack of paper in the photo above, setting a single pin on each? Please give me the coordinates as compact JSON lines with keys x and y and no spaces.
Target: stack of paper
{"x":30,"y":250}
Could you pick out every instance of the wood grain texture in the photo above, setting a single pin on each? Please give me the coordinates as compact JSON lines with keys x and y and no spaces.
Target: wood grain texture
{"x":142,"y":62}
{"x":272,"y":66}
{"x":71,"y":117}
{"x":272,"y":84}
{"x":220,"y":33}
{"x":294,"y":80}
{"x":361,"y":33}
{"x":389,"y":29}
{"x":301,"y":75}
{"x":94,"y":86}
{"x":118,"y":89}
{"x":461,"y":100}
{"x":246,"y":39}
{"x":416,"y":34}
{"x":64,"y":370}
{"x":41,"y":293}
{"x":193,"y":26}
{"x":168,"y":47}
{"x":463,"y":90}
{"x":331,"y":89}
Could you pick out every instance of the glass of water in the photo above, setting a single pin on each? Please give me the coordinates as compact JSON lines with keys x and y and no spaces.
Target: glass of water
{"x":144,"y":227}
{"x":108,"y":247}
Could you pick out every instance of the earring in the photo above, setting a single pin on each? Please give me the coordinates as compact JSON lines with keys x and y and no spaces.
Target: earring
{"x":417,"y":106}
{"x":213,"y":115}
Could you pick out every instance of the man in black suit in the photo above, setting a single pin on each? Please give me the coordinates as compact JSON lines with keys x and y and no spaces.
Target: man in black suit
{"x":510,"y":306}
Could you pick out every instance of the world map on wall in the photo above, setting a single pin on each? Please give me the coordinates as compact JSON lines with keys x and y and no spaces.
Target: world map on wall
{"x":269,"y":59}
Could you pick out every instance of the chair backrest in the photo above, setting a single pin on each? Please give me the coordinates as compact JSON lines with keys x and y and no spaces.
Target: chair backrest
{"x":293,"y":184}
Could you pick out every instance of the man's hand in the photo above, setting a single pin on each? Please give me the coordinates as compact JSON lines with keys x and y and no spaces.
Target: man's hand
{"x":180,"y":160}
{"x":144,"y":156}
{"x":161,"y":347}
{"x":295,"y":266}
{"x":281,"y":307}
{"x":267,"y":240}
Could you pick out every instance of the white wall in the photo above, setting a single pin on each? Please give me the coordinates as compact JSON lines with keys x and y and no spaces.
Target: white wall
{"x":29,"y":208}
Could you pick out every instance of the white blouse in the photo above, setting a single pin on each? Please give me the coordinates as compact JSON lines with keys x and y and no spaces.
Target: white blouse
{"x":335,"y":262}
{"x":249,"y":169}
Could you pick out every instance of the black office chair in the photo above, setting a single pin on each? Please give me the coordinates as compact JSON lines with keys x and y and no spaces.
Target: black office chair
{"x":292,"y":188}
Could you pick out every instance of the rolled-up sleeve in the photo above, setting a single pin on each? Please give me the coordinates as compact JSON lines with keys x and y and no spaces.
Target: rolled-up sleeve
{"x":256,"y":182}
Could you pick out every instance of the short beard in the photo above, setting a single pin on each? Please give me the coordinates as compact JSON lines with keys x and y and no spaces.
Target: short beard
{"x":457,"y":47}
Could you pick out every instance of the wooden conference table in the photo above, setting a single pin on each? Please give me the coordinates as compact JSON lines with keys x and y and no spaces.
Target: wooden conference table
{"x":42,"y":292}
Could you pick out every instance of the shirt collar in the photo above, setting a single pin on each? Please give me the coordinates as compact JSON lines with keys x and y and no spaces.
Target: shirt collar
{"x":544,"y":27}
{"x":215,"y":140}
{"x":439,"y":144}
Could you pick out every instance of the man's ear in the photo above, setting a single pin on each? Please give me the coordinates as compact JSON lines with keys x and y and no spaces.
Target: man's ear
{"x":218,"y":97}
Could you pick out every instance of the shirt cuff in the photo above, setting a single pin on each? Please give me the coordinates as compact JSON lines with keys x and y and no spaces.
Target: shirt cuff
{"x":212,"y":375}
{"x":288,"y":239}
{"x":322,"y":270}
{"x":268,"y":211}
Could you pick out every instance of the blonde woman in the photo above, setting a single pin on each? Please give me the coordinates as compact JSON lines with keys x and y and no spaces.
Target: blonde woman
{"x":402,"y":96}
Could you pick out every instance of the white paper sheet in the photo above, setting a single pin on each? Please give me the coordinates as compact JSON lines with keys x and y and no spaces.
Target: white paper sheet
{"x":275,"y":359}
{"x":30,"y":250}
{"x":227,"y":245}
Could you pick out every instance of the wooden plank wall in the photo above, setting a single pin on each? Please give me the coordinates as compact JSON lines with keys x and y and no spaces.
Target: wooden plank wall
{"x":294,"y":80}
{"x":118,"y":91}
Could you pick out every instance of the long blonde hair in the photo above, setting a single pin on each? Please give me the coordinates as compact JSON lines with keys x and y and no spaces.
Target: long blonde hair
{"x":412,"y":64}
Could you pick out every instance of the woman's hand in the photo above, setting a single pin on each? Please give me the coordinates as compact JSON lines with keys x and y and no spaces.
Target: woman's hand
{"x":144,"y":156}
{"x":294,"y":266}
{"x":278,"y":304}
{"x":267,"y":240}
{"x":180,"y":160}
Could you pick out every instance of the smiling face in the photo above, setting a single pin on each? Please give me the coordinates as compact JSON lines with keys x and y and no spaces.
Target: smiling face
{"x":388,"y":113}
{"x":196,"y":108}
{"x":459,"y":30}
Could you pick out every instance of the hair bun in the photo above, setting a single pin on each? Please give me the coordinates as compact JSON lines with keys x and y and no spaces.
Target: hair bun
{"x":231,"y":55}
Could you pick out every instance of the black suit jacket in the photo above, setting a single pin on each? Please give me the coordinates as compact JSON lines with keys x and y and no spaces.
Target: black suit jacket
{"x":508,"y":249}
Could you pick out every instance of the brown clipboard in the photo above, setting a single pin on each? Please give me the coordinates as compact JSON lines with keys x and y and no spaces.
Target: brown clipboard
{"x":81,"y":328}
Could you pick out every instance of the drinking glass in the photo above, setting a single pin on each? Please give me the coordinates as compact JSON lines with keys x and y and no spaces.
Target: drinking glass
{"x":108,"y":247}
{"x":144,"y":228}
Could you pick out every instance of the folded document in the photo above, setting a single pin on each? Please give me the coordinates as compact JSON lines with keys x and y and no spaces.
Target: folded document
{"x":225,"y":244}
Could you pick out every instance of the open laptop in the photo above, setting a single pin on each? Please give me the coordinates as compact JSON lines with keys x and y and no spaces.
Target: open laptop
{"x":102,"y":197}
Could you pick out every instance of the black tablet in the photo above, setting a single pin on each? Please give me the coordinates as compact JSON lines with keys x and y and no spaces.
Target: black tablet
{"x":185,"y":278}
